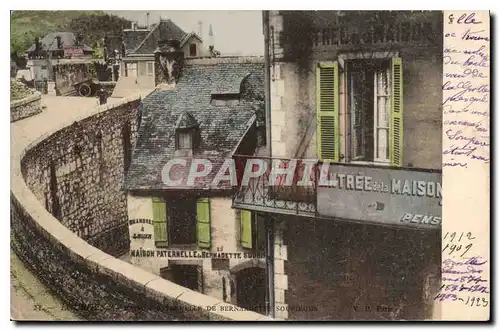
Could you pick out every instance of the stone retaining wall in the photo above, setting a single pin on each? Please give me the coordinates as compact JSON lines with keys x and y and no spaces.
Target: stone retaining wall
{"x":63,"y":171}
{"x":29,"y":106}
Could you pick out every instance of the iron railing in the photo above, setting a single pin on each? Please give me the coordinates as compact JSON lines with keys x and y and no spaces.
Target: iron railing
{"x":291,"y":195}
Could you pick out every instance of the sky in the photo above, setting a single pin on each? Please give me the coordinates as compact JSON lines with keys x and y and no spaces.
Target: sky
{"x":237,"y":32}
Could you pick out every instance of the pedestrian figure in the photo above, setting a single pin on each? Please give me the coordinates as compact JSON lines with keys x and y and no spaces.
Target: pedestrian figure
{"x":102,"y":96}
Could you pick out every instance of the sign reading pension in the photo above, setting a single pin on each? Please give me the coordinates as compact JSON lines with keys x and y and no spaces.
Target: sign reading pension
{"x":400,"y":197}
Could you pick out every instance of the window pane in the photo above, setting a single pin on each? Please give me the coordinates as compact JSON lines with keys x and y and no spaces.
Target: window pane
{"x":131,"y":69}
{"x":383,"y":144}
{"x":182,"y":222}
{"x":383,"y":112}
{"x":382,"y":109}
{"x":192,"y":50}
{"x":142,"y":69}
{"x":357,"y":114}
{"x":185,"y":141}
{"x":150,"y":68}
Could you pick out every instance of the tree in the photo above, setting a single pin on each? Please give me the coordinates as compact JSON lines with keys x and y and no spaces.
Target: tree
{"x":26,"y":25}
{"x":94,"y":28}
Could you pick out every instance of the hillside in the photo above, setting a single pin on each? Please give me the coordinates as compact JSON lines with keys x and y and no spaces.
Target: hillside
{"x":26,"y":25}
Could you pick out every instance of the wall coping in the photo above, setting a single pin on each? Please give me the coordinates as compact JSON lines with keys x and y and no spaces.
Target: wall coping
{"x":30,"y":98}
{"x":123,"y":272}
{"x":227,"y":59}
{"x":104,"y":83}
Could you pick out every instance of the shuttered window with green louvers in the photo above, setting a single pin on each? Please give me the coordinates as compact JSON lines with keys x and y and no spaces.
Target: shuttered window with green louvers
{"x":396,"y":124}
{"x":160,"y":222}
{"x":203,"y":222}
{"x":327,"y":111}
{"x":246,"y":229}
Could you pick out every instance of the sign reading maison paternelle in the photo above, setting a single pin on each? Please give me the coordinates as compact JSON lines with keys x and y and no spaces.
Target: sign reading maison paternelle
{"x":399,"y":197}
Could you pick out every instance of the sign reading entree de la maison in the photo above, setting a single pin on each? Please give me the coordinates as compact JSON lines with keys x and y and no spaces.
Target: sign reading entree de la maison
{"x":398,"y":197}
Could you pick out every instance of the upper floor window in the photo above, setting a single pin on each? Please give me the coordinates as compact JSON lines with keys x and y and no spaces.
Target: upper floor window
{"x":150,"y":69}
{"x":145,"y":68}
{"x":373,"y":107}
{"x":184,"y":139}
{"x":192,"y":49}
{"x":186,"y":133}
{"x":252,"y":231}
{"x":131,"y":69}
{"x":368,"y":99}
{"x":182,"y":222}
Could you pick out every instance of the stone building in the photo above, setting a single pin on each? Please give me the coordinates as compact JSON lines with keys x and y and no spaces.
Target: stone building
{"x":140,"y":43}
{"x":203,"y":113}
{"x":362,"y":92}
{"x":58,"y":49}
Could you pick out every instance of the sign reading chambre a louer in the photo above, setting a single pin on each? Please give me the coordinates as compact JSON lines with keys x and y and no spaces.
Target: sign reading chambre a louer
{"x":399,"y":197}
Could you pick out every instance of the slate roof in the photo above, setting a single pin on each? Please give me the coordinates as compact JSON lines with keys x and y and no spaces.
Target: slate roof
{"x":188,"y":36}
{"x":186,"y":121}
{"x":221,"y":125}
{"x":132,"y":38}
{"x":49,"y":42}
{"x":165,"y":29}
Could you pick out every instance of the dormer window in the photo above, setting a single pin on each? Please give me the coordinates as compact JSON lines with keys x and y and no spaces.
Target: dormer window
{"x":192,"y":50}
{"x":185,"y":139}
{"x":186,"y":133}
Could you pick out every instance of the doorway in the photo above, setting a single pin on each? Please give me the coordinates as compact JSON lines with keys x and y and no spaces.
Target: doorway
{"x":251,"y":289}
{"x":186,"y":275}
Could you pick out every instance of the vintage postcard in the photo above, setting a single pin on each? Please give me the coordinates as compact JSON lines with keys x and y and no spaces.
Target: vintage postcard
{"x":305,"y":166}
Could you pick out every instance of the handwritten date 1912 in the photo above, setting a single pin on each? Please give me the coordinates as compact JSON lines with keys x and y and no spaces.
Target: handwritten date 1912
{"x":457,"y":242}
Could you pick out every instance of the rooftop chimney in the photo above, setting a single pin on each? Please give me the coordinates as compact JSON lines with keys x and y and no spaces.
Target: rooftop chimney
{"x":134,"y":25}
{"x":147,"y":20}
{"x":168,"y":63}
{"x":210,"y":36}
{"x":59,"y":42}
{"x":200,"y":29}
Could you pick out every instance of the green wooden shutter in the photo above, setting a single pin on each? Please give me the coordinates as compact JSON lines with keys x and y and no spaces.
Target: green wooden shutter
{"x":246,"y":228}
{"x":327,"y":109}
{"x":396,"y":124}
{"x":203,"y":222}
{"x":160,"y":222}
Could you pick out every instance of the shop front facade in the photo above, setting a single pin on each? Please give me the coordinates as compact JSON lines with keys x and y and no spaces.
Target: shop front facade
{"x":351,"y":183}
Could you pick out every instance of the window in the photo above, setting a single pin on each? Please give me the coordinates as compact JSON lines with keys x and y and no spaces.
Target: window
{"x":187,"y":275}
{"x":141,"y":68}
{"x":150,"y":69}
{"x":182,"y":222}
{"x":368,"y":91}
{"x":192,"y":49}
{"x":184,"y":139}
{"x":252,"y":229}
{"x":131,"y":69}
{"x":373,"y":107}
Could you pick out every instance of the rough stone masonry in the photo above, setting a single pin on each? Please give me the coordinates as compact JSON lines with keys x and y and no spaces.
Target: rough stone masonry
{"x":77,"y":175}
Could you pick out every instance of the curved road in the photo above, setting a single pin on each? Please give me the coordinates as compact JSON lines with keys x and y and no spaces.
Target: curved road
{"x":30,"y":299}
